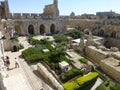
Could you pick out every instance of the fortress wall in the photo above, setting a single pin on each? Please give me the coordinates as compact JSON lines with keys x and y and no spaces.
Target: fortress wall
{"x":24,"y":15}
{"x":17,"y":15}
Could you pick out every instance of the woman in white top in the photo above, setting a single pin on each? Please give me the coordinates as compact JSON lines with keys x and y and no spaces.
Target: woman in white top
{"x":16,"y":63}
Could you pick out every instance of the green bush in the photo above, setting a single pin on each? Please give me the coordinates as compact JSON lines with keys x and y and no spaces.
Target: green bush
{"x":71,"y":86}
{"x":82,"y":82}
{"x":87,"y":80}
{"x":83,"y":60}
{"x":75,"y":34}
{"x":108,"y":85}
{"x":59,"y":38}
{"x":115,"y":87}
{"x":64,"y":58}
{"x":72,"y":73}
{"x":33,"y":55}
{"x":14,"y":39}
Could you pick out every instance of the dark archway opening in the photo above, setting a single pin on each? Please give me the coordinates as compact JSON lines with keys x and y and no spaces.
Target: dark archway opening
{"x":101,"y":33}
{"x":113,"y":34}
{"x":15,"y":48}
{"x":18,"y":30}
{"x":52,"y":28}
{"x":31,"y":29}
{"x":42,"y":29}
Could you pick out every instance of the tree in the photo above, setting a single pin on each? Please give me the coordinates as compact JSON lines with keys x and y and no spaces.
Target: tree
{"x":59,"y":38}
{"x":76,"y":34}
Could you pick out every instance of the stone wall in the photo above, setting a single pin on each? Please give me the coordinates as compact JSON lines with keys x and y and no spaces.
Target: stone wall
{"x":96,"y":55}
{"x":48,"y":76}
{"x":25,"y":15}
{"x":112,"y":42}
{"x":110,"y":66}
{"x":60,"y":26}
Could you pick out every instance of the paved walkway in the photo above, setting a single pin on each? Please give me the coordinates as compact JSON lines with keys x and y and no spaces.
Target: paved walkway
{"x":22,"y":78}
{"x":16,"y":79}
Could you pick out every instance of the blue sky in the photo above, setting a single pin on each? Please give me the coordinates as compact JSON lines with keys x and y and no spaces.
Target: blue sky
{"x":65,"y":6}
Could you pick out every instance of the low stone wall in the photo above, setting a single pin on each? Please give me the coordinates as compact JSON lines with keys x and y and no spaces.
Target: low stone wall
{"x":112,"y":42}
{"x":116,"y":55}
{"x":48,"y":76}
{"x":110,"y":66}
{"x":96,"y":55}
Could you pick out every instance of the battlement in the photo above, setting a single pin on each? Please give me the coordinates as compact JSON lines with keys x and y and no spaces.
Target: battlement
{"x":25,"y":15}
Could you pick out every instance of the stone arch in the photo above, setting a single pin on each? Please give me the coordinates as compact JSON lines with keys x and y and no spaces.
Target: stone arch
{"x":102,"y":32}
{"x":15,"y":48}
{"x":18,"y":29}
{"x":42,"y":29}
{"x":52,"y":28}
{"x":31,"y":29}
{"x":113,"y":34}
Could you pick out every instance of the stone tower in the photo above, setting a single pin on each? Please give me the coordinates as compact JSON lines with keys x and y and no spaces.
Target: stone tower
{"x":56,"y":3}
{"x":6,"y":9}
{"x":56,"y":11}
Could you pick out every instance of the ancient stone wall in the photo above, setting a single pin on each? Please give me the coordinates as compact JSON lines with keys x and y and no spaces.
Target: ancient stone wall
{"x":23,"y":25}
{"x":110,"y":67}
{"x":95,"y":54}
{"x":112,"y":42}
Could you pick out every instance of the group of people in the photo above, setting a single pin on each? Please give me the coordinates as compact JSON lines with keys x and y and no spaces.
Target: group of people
{"x":7,"y":62}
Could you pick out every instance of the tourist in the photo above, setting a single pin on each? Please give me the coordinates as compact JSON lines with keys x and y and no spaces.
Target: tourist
{"x":16,"y":63}
{"x":7,"y":62}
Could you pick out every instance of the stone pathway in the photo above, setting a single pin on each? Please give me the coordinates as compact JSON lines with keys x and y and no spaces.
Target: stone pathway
{"x":22,"y":78}
{"x":16,"y":79}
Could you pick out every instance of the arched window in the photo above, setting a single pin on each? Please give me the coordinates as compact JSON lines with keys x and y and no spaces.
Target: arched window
{"x":31,"y":29}
{"x":42,"y":29}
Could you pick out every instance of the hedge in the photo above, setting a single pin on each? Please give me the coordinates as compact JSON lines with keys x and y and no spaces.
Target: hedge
{"x":81,"y":82}
{"x":72,"y":73}
{"x":59,"y":38}
{"x":33,"y":55}
{"x":71,"y":86}
{"x":87,"y":80}
{"x":75,"y":33}
{"x":83,"y":60}
{"x":108,"y":85}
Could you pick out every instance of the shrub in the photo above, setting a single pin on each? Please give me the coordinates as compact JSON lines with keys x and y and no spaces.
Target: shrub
{"x":59,"y":38}
{"x":72,"y":73}
{"x":83,"y":60}
{"x":107,"y":85}
{"x":75,"y":34}
{"x":82,"y":82}
{"x":33,"y":55}
{"x":87,"y":80}
{"x":14,"y":39}
{"x":71,"y":86}
{"x":115,"y":87}
{"x":64,"y":58}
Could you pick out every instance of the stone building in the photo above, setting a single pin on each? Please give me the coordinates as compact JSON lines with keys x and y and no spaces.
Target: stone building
{"x":48,"y":22}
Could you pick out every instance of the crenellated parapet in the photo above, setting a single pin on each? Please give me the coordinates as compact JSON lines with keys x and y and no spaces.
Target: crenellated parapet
{"x":25,"y":15}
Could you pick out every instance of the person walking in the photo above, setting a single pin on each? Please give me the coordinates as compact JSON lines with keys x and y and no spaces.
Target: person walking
{"x":16,"y":63}
{"x":7,"y":62}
